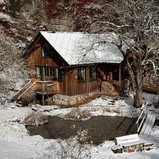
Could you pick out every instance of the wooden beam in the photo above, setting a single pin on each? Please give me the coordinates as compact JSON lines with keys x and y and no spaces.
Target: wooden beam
{"x":120,"y":75}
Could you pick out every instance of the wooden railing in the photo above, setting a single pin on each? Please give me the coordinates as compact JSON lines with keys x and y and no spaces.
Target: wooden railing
{"x":33,"y":87}
{"x":23,"y":89}
{"x":26,"y":90}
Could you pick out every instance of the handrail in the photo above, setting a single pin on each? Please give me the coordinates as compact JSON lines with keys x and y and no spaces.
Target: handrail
{"x":144,"y":111}
{"x":142,"y":122}
{"x":23,"y":87}
{"x":140,"y":116}
{"x":26,"y":90}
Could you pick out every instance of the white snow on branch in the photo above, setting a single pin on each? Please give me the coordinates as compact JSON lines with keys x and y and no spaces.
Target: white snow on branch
{"x":2,"y":1}
{"x":93,"y":6}
{"x":5,"y":18}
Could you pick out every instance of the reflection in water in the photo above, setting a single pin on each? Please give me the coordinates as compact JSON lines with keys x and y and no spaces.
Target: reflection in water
{"x":99,"y":128}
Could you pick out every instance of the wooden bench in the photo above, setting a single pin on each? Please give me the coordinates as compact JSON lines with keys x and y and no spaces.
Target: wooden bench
{"x":133,"y":142}
{"x":126,"y":139}
{"x":130,"y":143}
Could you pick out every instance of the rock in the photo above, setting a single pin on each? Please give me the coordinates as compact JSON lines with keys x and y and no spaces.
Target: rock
{"x":108,"y":89}
{"x":15,"y":119}
{"x":35,"y":119}
{"x":18,"y":105}
{"x":13,"y":106}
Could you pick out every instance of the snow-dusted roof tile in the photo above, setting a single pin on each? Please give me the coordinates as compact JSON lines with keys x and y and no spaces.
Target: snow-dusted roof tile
{"x":80,"y":48}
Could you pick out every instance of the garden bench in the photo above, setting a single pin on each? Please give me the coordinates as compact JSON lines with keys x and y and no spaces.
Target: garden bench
{"x":129,"y":143}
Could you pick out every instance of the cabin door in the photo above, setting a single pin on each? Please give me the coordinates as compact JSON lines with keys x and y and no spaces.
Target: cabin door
{"x":67,"y":83}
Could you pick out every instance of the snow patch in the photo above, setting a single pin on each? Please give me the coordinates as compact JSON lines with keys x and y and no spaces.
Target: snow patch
{"x":15,"y":140}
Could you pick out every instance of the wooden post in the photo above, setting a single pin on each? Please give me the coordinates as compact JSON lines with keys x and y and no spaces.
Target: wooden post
{"x":43,"y":99}
{"x":120,"y":75}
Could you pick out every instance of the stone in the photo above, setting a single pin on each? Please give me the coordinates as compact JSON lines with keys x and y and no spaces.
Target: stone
{"x":35,"y":119}
{"x":108,"y":89}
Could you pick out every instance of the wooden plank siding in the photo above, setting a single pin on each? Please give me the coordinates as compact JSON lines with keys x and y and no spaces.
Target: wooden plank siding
{"x":35,"y":59}
{"x":71,"y":85}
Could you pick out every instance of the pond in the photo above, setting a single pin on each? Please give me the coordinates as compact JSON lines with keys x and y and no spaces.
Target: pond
{"x":99,"y":128}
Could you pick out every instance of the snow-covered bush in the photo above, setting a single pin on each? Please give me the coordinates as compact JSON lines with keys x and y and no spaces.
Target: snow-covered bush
{"x":4,"y":4}
{"x":73,"y":149}
{"x":70,"y":148}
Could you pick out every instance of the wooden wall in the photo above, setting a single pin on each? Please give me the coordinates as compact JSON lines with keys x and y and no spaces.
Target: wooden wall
{"x":35,"y":59}
{"x":71,"y":86}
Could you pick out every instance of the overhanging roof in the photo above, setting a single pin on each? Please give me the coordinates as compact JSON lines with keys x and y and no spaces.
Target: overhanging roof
{"x":81,"y":48}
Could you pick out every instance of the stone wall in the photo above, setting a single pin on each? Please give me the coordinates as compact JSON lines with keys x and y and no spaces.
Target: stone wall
{"x":64,"y":100}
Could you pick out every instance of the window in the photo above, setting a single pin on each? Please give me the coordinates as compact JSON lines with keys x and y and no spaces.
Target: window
{"x":50,"y":72}
{"x":92,"y":72}
{"x":53,"y":73}
{"x":46,"y":72}
{"x":81,"y":74}
{"x":60,"y":74}
{"x":45,"y":50}
{"x":115,"y":73}
{"x":38,"y":72}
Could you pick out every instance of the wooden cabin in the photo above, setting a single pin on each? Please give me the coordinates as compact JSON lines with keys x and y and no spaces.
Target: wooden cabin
{"x":73,"y":63}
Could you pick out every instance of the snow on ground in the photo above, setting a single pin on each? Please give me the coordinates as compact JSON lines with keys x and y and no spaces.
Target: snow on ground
{"x":15,"y":143}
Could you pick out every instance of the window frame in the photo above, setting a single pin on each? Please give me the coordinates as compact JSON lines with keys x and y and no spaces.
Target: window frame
{"x":38,"y":72}
{"x":46,"y":71}
{"x":53,"y":73}
{"x":60,"y":74}
{"x":92,"y":72}
{"x":115,"y":73}
{"x":81,"y":74}
{"x":45,"y":51}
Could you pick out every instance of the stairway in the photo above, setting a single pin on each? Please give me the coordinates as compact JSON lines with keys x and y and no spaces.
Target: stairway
{"x":26,"y":93}
{"x":148,"y":124}
{"x":147,"y":118}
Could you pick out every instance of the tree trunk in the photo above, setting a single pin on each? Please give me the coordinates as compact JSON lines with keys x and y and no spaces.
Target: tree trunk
{"x":136,"y":75}
{"x":139,"y":83}
{"x":138,"y":101}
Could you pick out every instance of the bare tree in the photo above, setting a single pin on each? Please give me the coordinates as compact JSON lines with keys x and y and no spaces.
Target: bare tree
{"x":136,"y":24}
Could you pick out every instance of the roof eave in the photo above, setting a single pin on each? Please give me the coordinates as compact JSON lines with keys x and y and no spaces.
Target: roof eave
{"x":30,"y":46}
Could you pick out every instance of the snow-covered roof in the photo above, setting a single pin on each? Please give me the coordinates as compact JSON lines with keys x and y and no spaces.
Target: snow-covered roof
{"x":79,"y":48}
